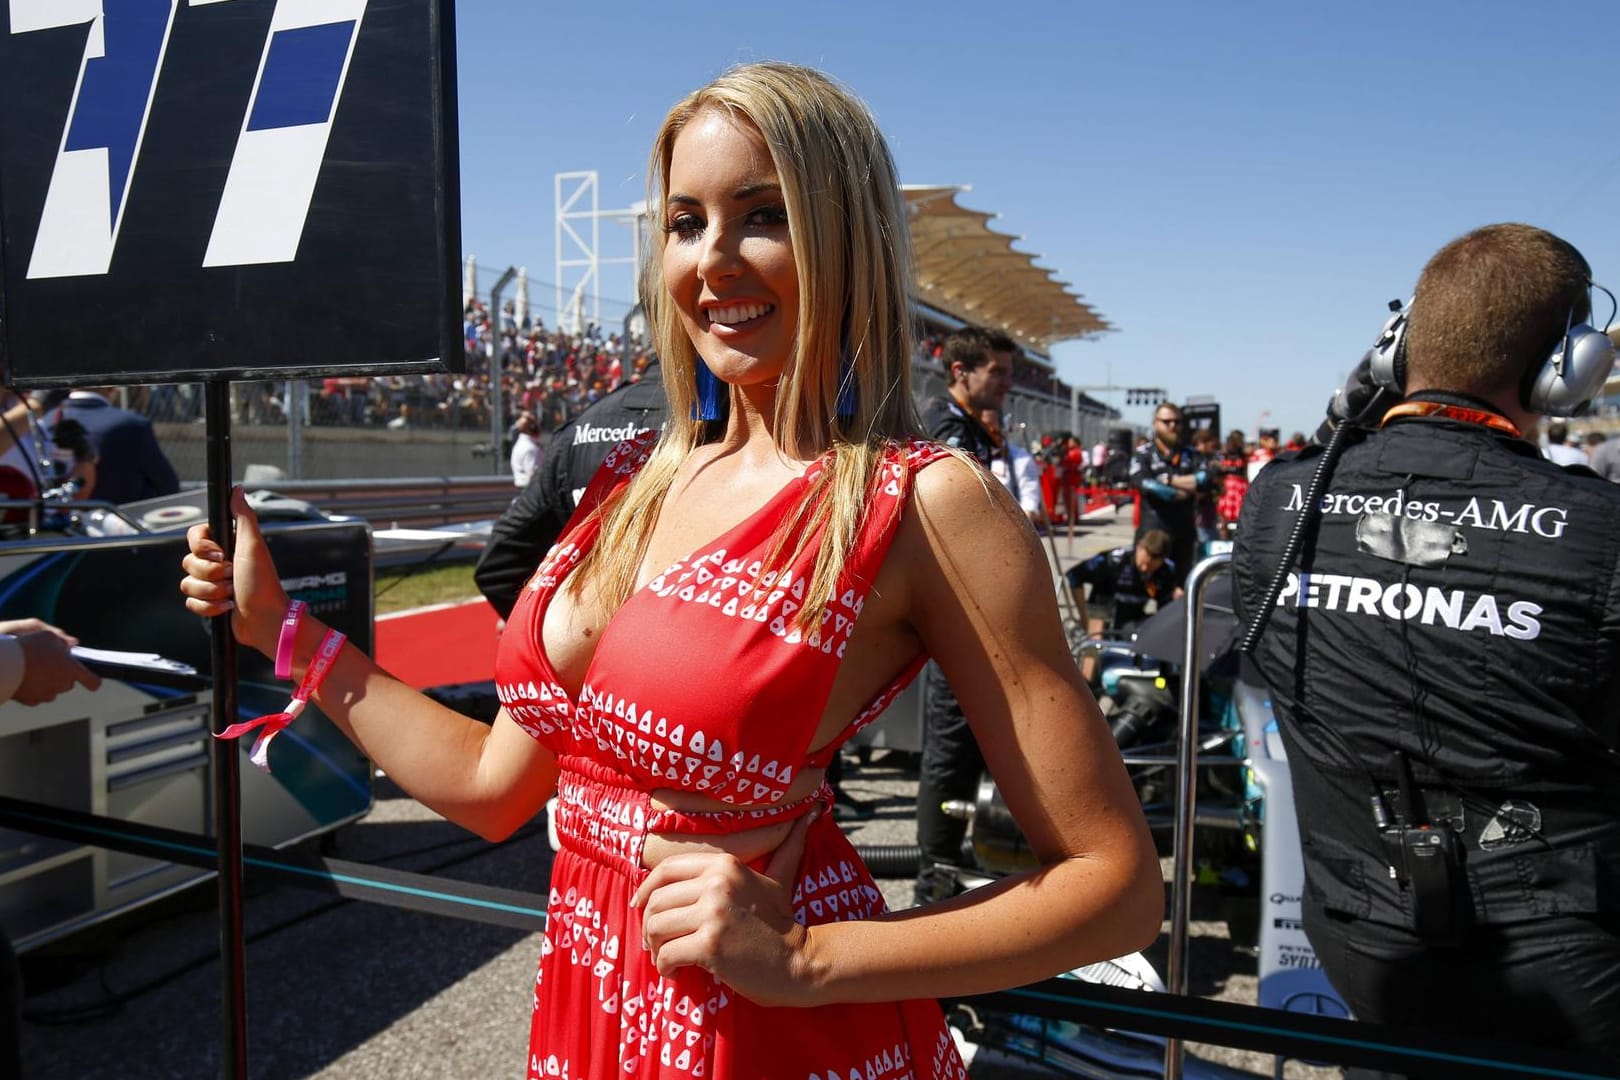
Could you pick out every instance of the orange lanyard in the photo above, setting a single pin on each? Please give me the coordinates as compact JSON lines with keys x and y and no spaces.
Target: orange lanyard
{"x":1482,"y":417}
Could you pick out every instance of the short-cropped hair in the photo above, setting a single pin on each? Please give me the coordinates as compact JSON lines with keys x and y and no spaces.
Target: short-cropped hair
{"x":1156,"y":542}
{"x":1491,"y":304}
{"x":971,"y":347}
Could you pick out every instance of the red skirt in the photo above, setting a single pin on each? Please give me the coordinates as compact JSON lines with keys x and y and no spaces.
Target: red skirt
{"x":601,"y":1010}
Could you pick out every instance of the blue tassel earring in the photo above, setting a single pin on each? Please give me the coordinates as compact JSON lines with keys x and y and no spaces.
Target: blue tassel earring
{"x":707,"y":406}
{"x":848,"y":399}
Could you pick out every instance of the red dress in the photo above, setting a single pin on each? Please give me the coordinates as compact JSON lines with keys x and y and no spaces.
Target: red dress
{"x":696,"y":686}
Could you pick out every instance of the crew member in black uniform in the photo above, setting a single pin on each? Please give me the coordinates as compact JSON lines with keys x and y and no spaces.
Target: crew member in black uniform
{"x":1444,"y":660}
{"x":1168,"y":477}
{"x":979,"y":363}
{"x":525,"y":532}
{"x":1123,"y":582}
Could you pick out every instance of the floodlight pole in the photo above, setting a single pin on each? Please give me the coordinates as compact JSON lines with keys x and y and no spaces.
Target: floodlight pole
{"x":226,"y":756}
{"x":1074,"y":400}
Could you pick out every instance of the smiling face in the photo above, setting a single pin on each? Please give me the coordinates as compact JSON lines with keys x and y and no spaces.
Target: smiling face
{"x":728,"y":256}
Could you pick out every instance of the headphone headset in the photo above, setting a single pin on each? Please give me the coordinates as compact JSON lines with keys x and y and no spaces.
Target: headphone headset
{"x":1563,"y":384}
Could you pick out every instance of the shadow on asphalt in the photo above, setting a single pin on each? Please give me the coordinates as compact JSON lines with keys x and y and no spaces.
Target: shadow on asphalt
{"x":140,"y":997}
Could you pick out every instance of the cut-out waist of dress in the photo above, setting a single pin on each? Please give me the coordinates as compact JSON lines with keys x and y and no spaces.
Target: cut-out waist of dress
{"x":602,"y":816}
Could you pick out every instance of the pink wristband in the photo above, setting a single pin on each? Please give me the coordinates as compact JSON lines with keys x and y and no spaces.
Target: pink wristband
{"x":289,"y":634}
{"x":272,"y":724}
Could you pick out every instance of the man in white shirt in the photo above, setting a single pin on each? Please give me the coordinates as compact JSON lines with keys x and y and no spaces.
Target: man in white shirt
{"x":1558,"y":449}
{"x":1015,"y":468}
{"x":525,"y":448}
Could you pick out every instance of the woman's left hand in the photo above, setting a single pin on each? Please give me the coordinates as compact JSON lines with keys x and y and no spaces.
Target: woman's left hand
{"x":713,"y":911}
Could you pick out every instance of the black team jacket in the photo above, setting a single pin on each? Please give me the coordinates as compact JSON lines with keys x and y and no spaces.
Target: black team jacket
{"x":1459,"y":602}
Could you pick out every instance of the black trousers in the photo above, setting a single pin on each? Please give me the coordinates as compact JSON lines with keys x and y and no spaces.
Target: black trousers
{"x":1183,"y":543}
{"x":951,"y":766}
{"x":1551,"y":982}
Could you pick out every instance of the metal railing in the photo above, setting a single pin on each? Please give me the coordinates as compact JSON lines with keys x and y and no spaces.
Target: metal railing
{"x":421,"y":424}
{"x":410,"y":502}
{"x":1186,"y":797}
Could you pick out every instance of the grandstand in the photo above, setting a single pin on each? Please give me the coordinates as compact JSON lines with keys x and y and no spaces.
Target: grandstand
{"x":441,"y":424}
{"x":967,"y":272}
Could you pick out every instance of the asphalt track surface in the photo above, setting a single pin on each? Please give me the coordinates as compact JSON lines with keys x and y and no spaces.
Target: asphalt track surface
{"x":339,"y":989}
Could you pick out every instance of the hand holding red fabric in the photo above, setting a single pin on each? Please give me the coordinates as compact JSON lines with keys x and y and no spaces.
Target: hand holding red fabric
{"x":715,"y":912}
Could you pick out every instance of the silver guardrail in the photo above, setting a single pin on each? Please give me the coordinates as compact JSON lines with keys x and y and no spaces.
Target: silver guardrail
{"x":407,"y":502}
{"x":1186,"y":797}
{"x":39,"y":509}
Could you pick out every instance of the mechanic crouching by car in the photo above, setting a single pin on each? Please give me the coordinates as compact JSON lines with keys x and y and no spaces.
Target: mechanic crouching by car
{"x":1123,"y":582}
{"x":1444,"y":660}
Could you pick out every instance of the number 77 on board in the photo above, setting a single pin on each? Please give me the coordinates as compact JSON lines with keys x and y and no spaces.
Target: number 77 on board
{"x":279,"y":149}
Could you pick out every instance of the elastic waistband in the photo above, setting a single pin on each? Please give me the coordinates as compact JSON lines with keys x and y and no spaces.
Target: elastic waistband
{"x":603,"y":816}
{"x":600,"y":816}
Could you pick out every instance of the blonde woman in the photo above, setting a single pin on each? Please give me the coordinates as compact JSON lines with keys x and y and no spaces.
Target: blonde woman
{"x":733,"y":600}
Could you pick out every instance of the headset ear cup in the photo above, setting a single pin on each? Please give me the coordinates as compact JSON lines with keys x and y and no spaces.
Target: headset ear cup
{"x":1566,"y":382}
{"x":1388,"y":362}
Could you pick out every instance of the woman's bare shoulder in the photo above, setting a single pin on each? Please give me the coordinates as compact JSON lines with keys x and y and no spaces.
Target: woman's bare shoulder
{"x":953,"y":491}
{"x":960,"y":515}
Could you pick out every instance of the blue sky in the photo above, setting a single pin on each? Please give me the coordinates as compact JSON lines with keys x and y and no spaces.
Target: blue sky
{"x":1238,"y":187}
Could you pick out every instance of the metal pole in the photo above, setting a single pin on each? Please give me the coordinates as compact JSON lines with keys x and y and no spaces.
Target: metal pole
{"x":497,"y":407}
{"x":226,"y":756}
{"x":1186,"y":798}
{"x":1048,"y":530}
{"x":1066,"y":600}
{"x":626,"y":353}
{"x":296,"y":397}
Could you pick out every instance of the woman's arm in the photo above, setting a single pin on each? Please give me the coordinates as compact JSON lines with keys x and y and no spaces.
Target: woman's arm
{"x":982,"y":597}
{"x":983,"y":601}
{"x":487,"y":778}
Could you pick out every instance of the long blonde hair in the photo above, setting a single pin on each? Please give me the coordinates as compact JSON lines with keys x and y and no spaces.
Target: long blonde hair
{"x":852,"y":251}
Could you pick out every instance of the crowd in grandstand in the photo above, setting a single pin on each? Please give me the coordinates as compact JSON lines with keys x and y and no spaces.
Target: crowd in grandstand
{"x":551,"y":374}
